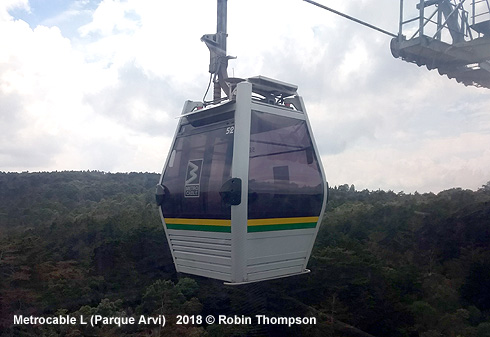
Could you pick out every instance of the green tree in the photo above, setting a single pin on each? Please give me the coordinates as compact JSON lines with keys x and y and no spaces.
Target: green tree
{"x":187,"y":286}
{"x":483,"y":330}
{"x":425,"y":316}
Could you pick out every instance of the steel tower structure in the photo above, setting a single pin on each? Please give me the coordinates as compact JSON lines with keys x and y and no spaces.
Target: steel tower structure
{"x":452,"y":36}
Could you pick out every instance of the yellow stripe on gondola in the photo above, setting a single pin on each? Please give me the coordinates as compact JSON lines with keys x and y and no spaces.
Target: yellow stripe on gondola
{"x":201,"y":222}
{"x":282,"y":221}
{"x":254,"y":225}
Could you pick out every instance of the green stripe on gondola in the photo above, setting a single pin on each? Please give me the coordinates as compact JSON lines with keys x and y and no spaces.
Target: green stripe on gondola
{"x":205,"y":225}
{"x":204,"y":228}
{"x":281,"y":227}
{"x":254,"y":225}
{"x":280,"y":224}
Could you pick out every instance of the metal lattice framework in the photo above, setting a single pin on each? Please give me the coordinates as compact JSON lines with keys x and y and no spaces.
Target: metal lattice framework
{"x":452,"y":36}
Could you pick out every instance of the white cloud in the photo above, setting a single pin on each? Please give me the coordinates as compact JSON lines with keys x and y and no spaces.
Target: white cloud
{"x":47,"y":80}
{"x":7,"y":5}
{"x":104,"y":96}
{"x":432,"y":165}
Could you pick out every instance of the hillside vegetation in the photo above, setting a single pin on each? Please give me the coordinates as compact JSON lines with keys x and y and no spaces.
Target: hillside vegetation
{"x":384,"y":264}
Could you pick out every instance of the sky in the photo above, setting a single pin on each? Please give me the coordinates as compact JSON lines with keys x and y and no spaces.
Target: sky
{"x":99,"y":85}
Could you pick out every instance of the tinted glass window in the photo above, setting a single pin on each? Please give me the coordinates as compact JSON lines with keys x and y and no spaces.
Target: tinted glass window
{"x":199,"y":164}
{"x":284,"y":175}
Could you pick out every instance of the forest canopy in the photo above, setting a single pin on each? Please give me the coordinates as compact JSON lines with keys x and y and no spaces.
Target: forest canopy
{"x":384,"y":263}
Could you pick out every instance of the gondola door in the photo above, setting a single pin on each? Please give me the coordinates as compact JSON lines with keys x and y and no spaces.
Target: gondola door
{"x":197,"y":221}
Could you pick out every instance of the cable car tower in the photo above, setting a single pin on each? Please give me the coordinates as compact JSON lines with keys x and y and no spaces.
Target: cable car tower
{"x":243,"y":191}
{"x":452,"y":36}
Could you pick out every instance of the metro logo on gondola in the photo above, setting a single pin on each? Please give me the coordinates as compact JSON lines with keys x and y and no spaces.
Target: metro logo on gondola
{"x":193,"y":178}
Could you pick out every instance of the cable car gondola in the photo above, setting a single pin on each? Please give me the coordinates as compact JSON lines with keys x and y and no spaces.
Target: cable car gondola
{"x":243,"y":191}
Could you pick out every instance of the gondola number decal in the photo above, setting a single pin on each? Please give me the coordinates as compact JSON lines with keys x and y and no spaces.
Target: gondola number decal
{"x":193,"y":178}
{"x":230,"y":130}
